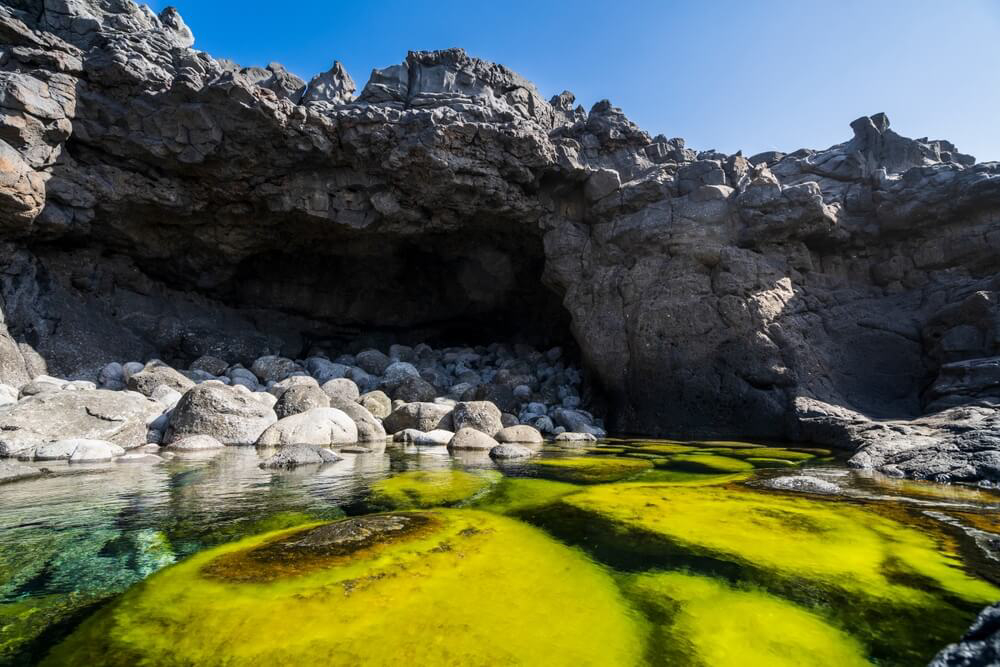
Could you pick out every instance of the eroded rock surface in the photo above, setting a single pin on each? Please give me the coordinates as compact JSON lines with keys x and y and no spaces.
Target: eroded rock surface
{"x":157,"y":202}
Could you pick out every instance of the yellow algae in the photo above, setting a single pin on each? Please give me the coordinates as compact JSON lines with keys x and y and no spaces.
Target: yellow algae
{"x":727,"y":444}
{"x":705,"y":463}
{"x":657,"y":448}
{"x":467,"y":588}
{"x":583,"y":470}
{"x":987,"y":521}
{"x":516,"y":494}
{"x":708,"y":622}
{"x":430,"y":488}
{"x":839,"y":545}
{"x":661,"y":476}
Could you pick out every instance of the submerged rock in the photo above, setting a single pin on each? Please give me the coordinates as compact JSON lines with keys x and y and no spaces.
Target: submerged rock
{"x":12,"y":471}
{"x":979,"y":647}
{"x":299,"y":455}
{"x":430,"y":488}
{"x":805,"y":483}
{"x":335,"y":575}
{"x":511,"y":451}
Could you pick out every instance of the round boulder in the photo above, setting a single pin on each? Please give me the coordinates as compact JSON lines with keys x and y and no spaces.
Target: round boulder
{"x":272,"y":368}
{"x":480,"y":415}
{"x":415,"y":390}
{"x":299,"y":398}
{"x":377,"y":403}
{"x":231,"y":416}
{"x":421,"y":416}
{"x":319,"y":426}
{"x":521,"y":433}
{"x":156,"y":374}
{"x":471,"y":438}
{"x":341,"y":388}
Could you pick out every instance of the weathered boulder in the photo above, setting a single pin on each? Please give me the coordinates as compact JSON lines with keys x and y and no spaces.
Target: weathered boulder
{"x":372,"y":361}
{"x":519,"y":434}
{"x":320,"y":427}
{"x":979,"y":647}
{"x":511,"y":451}
{"x":471,"y":438}
{"x":369,"y":428}
{"x":377,"y":403}
{"x":415,"y":390}
{"x":77,"y":450}
{"x":273,"y":368}
{"x":230,"y":416}
{"x":804,"y":483}
{"x":195,"y":443}
{"x":421,"y":416}
{"x":13,"y":471}
{"x":341,"y":389}
{"x":299,"y":455}
{"x":481,"y":415}
{"x":155,"y":374}
{"x":299,"y":398}
{"x":118,"y":417}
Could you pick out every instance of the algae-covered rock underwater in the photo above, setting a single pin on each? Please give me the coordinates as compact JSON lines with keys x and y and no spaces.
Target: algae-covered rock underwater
{"x":439,"y":370}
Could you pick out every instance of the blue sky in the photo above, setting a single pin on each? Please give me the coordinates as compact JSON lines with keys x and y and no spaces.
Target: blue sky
{"x":729,"y":75}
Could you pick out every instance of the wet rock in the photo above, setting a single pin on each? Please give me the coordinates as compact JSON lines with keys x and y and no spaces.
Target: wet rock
{"x":230,"y":416}
{"x":318,"y":426}
{"x":480,"y":415}
{"x":803,"y":483}
{"x":77,"y":450}
{"x":979,"y":647}
{"x":300,"y":398}
{"x":118,"y":417}
{"x":421,"y":416}
{"x":471,"y":438}
{"x":298,"y":455}
{"x":511,"y":451}
{"x":570,"y":437}
{"x":519,"y":434}
{"x":12,"y":471}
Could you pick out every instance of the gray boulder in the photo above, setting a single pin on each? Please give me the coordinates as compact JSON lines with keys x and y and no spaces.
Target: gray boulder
{"x":273,"y":368}
{"x":570,"y":437}
{"x":377,"y":403}
{"x":118,"y":417}
{"x":298,"y":455}
{"x":415,"y":390}
{"x":299,"y":398}
{"x":519,"y":434}
{"x":511,"y":451}
{"x":342,"y":388}
{"x":195,"y":443}
{"x":369,"y":428}
{"x":77,"y":450}
{"x":154,"y":374}
{"x":421,"y":416}
{"x":320,"y":427}
{"x":481,"y":415}
{"x":12,"y":471}
{"x":396,"y":373}
{"x":209,"y":364}
{"x":803,"y":483}
{"x":231,"y":416}
{"x":471,"y":438}
{"x":372,"y":361}
{"x":979,"y":646}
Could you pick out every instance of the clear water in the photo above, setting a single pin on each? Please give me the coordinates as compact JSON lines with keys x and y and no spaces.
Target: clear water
{"x":706,"y":573}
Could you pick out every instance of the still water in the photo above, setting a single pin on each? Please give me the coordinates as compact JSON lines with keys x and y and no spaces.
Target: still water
{"x":625,"y":553}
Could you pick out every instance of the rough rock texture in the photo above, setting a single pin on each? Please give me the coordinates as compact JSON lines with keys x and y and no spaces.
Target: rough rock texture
{"x":421,"y":416}
{"x":119,"y":417}
{"x":979,"y":647}
{"x":231,"y":416}
{"x":318,"y":427}
{"x":146,"y":184}
{"x":297,"y":455}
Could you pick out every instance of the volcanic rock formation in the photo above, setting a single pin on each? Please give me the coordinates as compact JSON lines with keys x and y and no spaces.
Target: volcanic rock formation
{"x":157,"y":202}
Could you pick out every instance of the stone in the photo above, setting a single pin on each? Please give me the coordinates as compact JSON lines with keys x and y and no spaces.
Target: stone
{"x":511,"y":451}
{"x":372,"y":361}
{"x":12,"y":471}
{"x":421,"y":416}
{"x":803,"y":483}
{"x":299,"y":398}
{"x":298,"y":455}
{"x":377,"y":403}
{"x":209,"y":364}
{"x":274,"y":368}
{"x":118,"y":417}
{"x":230,"y":416}
{"x":342,"y":388}
{"x":324,"y":369}
{"x":166,"y":395}
{"x":481,"y":415}
{"x":471,"y":438}
{"x":507,"y":420}
{"x":154,"y":374}
{"x":8,"y":394}
{"x":195,"y":443}
{"x":436,"y":438}
{"x":318,"y":427}
{"x":334,"y":86}
{"x":571,"y":437}
{"x":415,"y":390}
{"x":369,"y":428}
{"x":499,"y":394}
{"x":112,"y":376}
{"x":396,"y":373}
{"x":278,"y":388}
{"x":979,"y":647}
{"x":519,"y":434}
{"x":77,"y":450}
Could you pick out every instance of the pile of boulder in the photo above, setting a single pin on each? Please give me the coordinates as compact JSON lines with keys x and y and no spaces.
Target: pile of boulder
{"x":499,"y":399}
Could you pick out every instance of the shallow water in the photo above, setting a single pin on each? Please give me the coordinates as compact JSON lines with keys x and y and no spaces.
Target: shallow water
{"x":683,"y":556}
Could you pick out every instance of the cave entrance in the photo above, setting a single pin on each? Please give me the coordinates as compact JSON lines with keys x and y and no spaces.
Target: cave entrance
{"x":468,"y":287}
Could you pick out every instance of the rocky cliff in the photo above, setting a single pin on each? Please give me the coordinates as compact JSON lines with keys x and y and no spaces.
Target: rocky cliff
{"x":155,"y":201}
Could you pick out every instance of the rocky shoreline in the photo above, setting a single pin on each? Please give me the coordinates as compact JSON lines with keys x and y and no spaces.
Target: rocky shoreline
{"x":496,"y":399}
{"x":158,"y":203}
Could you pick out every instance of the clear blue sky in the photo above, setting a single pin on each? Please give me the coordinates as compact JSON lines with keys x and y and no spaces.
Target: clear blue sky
{"x":729,"y":75}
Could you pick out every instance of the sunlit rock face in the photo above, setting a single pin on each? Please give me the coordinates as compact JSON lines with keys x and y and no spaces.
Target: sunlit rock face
{"x":434,"y":588}
{"x":156,"y":201}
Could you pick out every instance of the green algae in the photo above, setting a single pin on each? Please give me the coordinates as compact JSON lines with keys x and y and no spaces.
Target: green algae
{"x":419,"y":489}
{"x":583,"y":470}
{"x":879,"y":577}
{"x":468,"y":588}
{"x":727,"y":444}
{"x":773,"y":453}
{"x":704,"y":621}
{"x":517,"y":494}
{"x":705,"y":463}
{"x":682,"y":477}
{"x":661,"y":449}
